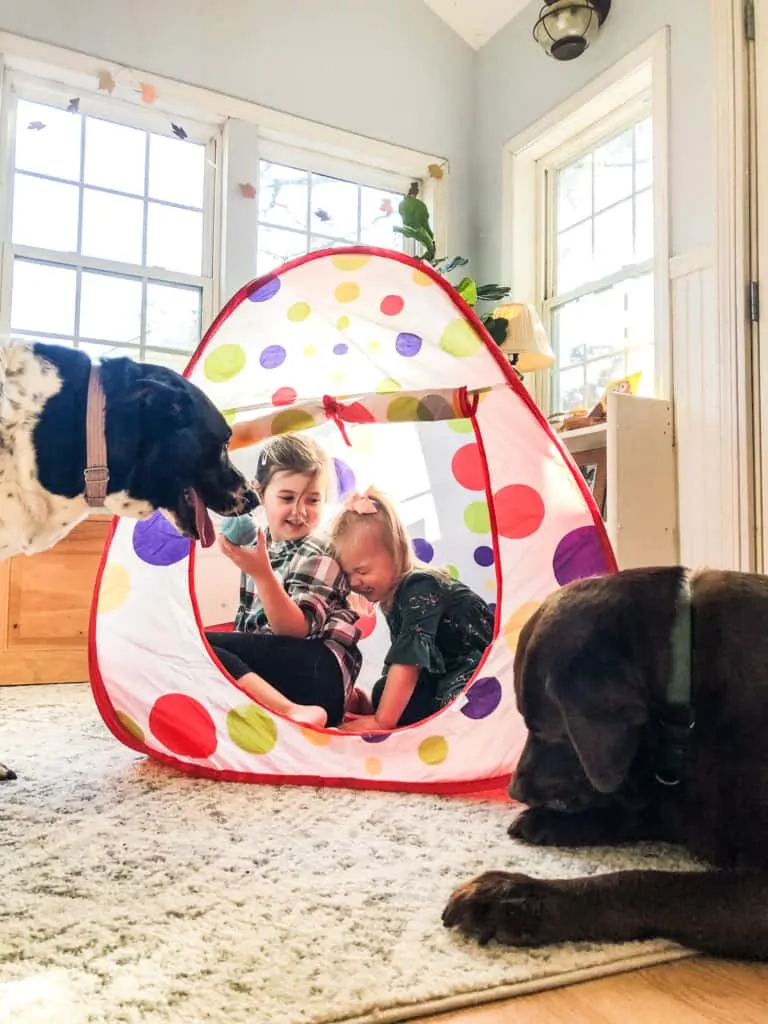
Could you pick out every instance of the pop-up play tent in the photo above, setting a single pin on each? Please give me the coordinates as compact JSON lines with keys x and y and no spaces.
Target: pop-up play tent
{"x":387,"y":367}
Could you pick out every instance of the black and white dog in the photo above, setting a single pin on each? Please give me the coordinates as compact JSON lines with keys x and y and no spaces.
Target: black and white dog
{"x":166,"y":447}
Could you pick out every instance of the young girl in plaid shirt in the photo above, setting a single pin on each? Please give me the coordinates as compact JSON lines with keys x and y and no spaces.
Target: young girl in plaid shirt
{"x":294,"y":645}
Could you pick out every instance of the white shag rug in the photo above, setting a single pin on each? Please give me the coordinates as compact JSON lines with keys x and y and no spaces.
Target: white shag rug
{"x":135,"y":895}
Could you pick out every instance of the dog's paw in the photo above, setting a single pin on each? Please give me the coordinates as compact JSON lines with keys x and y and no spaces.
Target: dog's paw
{"x":542,"y":827}
{"x":499,"y":905}
{"x":6,"y":774}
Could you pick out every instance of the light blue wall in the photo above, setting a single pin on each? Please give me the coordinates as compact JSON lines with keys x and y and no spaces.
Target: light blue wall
{"x":516,"y":84}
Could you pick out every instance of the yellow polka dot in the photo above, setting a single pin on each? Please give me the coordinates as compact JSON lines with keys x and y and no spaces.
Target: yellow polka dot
{"x":229,"y":415}
{"x":459,"y":339}
{"x":387,"y":386}
{"x":461,"y":426}
{"x":490,"y":584}
{"x":374,"y":346}
{"x":317,"y":739}
{"x":516,"y":621}
{"x":373,"y":765}
{"x":130,"y":726}
{"x":420,"y":278}
{"x":115,"y":588}
{"x":403,"y":410}
{"x":251,"y":729}
{"x":363,"y":440}
{"x":292,"y":419}
{"x":338,"y":377}
{"x":298,"y":311}
{"x":347,"y":292}
{"x":343,"y":323}
{"x":310,"y":350}
{"x":452,"y":571}
{"x":349,"y":260}
{"x":224,"y":363}
{"x":433,"y":750}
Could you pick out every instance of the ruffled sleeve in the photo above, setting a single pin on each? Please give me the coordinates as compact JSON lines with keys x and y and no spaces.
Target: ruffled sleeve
{"x":418,"y":607}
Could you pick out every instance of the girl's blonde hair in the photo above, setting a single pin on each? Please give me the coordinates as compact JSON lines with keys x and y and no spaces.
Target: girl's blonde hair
{"x":292,"y":453}
{"x":382,"y":512}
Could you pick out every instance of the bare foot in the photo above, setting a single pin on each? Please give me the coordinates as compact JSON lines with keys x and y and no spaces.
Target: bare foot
{"x":360,"y":703}
{"x":309,"y":714}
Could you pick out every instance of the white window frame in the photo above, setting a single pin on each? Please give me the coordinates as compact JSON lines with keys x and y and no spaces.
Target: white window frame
{"x":593,"y":114}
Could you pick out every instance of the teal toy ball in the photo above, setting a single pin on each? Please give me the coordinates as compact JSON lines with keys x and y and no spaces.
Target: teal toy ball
{"x":239,"y":530}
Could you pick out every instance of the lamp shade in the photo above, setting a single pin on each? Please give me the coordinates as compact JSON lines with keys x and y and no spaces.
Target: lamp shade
{"x":566,"y":28}
{"x":526,"y":340}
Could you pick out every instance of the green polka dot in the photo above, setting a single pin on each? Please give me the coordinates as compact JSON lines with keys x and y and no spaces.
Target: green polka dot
{"x":229,"y":415}
{"x":433,"y":750}
{"x":252,"y":729}
{"x":387,"y":386}
{"x":452,"y":571}
{"x":292,"y":419}
{"x":224,"y":363}
{"x":461,"y":426}
{"x":459,"y":339}
{"x":343,"y":323}
{"x":403,"y":409}
{"x":298,"y":311}
{"x":130,"y":726}
{"x":477,"y":518}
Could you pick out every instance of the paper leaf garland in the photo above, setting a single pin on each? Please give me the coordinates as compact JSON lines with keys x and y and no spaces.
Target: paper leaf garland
{"x":148,"y":92}
{"x":436,"y":172}
{"x":73,"y":107}
{"x":178,"y":131}
{"x":36,"y":126}
{"x":107,"y":82}
{"x":247,"y":190}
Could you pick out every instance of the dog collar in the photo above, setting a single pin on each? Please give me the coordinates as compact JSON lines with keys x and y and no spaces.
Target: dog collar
{"x":96,"y":471}
{"x":677,"y":718}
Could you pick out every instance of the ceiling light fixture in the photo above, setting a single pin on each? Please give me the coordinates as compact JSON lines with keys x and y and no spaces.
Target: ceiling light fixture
{"x":565,"y":28}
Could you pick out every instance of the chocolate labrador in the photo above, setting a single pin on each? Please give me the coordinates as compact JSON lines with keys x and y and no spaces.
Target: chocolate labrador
{"x":645,"y":694}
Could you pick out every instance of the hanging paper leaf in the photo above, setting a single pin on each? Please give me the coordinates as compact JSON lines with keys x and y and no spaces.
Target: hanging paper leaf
{"x":247,"y":190}
{"x":73,"y":107}
{"x":178,"y":131}
{"x":148,"y":92}
{"x":436,"y":171}
{"x":36,"y":126}
{"x":107,"y":82}
{"x":386,"y":207}
{"x":322,"y":215}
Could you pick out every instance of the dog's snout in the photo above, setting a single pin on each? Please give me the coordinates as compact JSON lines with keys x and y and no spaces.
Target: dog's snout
{"x":250,"y":501}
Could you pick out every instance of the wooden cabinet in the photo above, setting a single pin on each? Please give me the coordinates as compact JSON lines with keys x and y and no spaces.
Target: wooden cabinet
{"x":45,"y":603}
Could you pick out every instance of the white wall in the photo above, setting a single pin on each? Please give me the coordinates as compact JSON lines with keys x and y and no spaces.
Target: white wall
{"x":387,"y":69}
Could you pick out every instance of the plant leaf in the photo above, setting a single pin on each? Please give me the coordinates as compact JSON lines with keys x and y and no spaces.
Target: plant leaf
{"x":449,"y":263}
{"x":419,"y":235}
{"x":492,"y":292}
{"x":496,"y":327}
{"x":467,"y":289}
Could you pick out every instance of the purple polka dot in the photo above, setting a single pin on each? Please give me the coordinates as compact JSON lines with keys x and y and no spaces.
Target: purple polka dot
{"x":375,"y":737}
{"x":408,"y":344}
{"x":483,"y":697}
{"x":484,"y":556}
{"x":579,"y":554}
{"x":272,"y":357}
{"x":266,"y":290}
{"x":423,"y":549}
{"x":345,"y":478}
{"x":158,"y":542}
{"x":341,"y":349}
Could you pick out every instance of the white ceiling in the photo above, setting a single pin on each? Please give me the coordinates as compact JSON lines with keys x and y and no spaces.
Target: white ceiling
{"x":476,"y":20}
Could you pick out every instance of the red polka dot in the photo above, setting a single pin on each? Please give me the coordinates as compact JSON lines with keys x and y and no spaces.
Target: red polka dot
{"x":183,"y":726}
{"x":366,"y":624}
{"x":467,"y":467}
{"x":391,"y":305}
{"x":519,"y":511}
{"x":357,"y":413}
{"x":284,"y":396}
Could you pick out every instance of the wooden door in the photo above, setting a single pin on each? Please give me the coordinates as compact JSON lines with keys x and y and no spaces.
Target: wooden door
{"x":45,"y":602}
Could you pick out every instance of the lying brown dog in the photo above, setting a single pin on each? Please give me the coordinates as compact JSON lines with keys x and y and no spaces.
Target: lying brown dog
{"x":645,"y":694}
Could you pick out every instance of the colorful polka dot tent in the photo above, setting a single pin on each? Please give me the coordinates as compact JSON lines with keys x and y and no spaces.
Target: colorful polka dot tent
{"x":393,"y":374}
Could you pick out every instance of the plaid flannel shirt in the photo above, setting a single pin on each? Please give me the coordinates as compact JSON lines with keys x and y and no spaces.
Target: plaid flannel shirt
{"x":314,"y":580}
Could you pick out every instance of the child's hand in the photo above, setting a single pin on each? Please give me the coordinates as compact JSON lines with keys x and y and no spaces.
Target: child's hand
{"x":361,"y":723}
{"x":252,"y":561}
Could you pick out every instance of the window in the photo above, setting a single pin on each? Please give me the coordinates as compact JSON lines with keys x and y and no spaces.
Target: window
{"x":599,"y":288}
{"x":109,"y":245}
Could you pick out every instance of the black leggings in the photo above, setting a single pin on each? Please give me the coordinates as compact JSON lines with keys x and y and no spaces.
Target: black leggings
{"x":422,"y":704}
{"x":303,"y":670}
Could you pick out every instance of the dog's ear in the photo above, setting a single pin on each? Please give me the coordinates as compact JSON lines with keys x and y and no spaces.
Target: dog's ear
{"x":166,"y":401}
{"x":604,"y":711}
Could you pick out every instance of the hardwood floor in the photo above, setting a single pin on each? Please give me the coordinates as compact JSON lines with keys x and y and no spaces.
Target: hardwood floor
{"x":696,"y":991}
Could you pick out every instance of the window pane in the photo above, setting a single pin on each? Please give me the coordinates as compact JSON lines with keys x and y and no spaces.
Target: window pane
{"x":45,"y":213}
{"x":571,"y":386}
{"x":574,"y":257}
{"x":643,"y":154}
{"x":283,"y":195}
{"x":98,"y":352}
{"x":643,"y":359}
{"x":334,"y":207}
{"x":173,"y":317}
{"x":640,"y":310}
{"x":175,"y":239}
{"x":112,"y":226}
{"x":572,"y":330}
{"x":43,"y":298}
{"x":115,"y":156}
{"x":173,"y":362}
{"x":318,"y":242}
{"x":574,"y":192}
{"x":53,"y":149}
{"x":613,"y":171}
{"x":614,"y":246}
{"x":110,"y":308}
{"x":644,"y":226}
{"x":609,"y":319}
{"x":276,"y":247}
{"x":176,"y":171}
{"x":378,"y":215}
{"x":598,"y":375}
